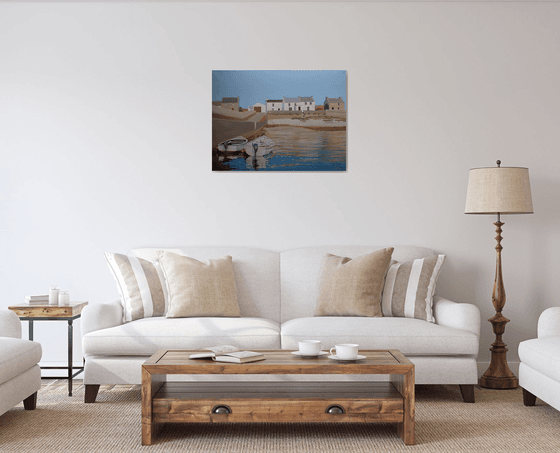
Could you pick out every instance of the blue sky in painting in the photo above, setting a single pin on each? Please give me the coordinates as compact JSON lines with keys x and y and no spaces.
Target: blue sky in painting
{"x":258,"y":86}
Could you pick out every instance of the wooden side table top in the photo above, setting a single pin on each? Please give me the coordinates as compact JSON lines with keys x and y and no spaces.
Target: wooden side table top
{"x":48,"y":311}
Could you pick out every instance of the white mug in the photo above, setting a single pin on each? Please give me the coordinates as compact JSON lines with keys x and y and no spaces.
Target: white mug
{"x":346,"y":351}
{"x":310,"y":347}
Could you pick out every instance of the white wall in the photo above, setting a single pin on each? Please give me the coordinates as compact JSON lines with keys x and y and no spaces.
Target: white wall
{"x":105,"y":141}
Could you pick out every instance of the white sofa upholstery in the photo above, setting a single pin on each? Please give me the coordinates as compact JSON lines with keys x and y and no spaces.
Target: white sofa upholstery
{"x":277,"y":292}
{"x":539,"y":370}
{"x":20,"y":375}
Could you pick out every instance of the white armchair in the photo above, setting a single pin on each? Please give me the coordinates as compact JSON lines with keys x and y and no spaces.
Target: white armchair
{"x":20,"y":375}
{"x":539,"y":370}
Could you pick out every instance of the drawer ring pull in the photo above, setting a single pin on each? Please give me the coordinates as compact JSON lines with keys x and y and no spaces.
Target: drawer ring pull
{"x":335,"y":409}
{"x":221,"y":409}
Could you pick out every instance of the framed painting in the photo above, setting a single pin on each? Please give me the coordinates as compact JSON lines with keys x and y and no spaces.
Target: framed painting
{"x":279,"y":120}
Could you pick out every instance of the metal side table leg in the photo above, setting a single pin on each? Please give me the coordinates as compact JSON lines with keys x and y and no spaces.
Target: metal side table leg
{"x":70,"y":345}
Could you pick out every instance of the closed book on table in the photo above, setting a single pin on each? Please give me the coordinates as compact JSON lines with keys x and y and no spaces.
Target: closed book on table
{"x":37,"y":297}
{"x":37,"y":300}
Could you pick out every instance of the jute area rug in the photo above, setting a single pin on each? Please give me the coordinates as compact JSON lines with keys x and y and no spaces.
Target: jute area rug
{"x":497,"y":422}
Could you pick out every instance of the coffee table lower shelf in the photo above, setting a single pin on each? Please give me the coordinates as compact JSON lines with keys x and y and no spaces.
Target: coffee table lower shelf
{"x":203,"y":402}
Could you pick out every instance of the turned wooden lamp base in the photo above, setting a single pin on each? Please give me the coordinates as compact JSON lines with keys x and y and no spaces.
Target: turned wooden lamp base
{"x":498,"y":375}
{"x":498,"y":383}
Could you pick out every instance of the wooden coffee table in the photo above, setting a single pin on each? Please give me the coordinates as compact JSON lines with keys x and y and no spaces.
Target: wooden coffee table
{"x":183,"y":402}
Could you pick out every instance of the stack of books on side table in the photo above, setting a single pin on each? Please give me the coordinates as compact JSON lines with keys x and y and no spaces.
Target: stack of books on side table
{"x":229,"y":354}
{"x":41,"y":299}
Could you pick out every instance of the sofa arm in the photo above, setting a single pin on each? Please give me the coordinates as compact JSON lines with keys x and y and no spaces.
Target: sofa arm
{"x":10,"y":325}
{"x":549,"y":323}
{"x":101,"y":316}
{"x":459,"y":316}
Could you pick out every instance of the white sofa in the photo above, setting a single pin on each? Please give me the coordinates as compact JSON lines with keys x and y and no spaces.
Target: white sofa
{"x":276,"y":294}
{"x":20,"y":375}
{"x":539,"y":370}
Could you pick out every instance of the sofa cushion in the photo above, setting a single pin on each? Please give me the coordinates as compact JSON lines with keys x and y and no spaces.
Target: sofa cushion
{"x":352,"y":287}
{"x":301,"y":270}
{"x":17,"y":356}
{"x":139,"y":284}
{"x":257,"y":275}
{"x":410,"y":336}
{"x":148,"y":335}
{"x":409,"y":288}
{"x":543,"y":355}
{"x":198,"y":288}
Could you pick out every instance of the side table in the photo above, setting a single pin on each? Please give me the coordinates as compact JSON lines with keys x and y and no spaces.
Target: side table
{"x":68,"y":313}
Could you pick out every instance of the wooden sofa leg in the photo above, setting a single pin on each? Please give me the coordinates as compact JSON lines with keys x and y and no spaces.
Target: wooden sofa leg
{"x":30,"y":402}
{"x":468,"y":392}
{"x":91,"y":393}
{"x":528,"y":398}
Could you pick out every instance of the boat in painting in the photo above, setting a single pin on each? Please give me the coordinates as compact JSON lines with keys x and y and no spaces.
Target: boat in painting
{"x":261,"y":146}
{"x":234,"y":145}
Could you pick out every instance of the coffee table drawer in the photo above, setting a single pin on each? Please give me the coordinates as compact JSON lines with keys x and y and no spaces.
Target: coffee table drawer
{"x":266,"y":402}
{"x":255,"y":410}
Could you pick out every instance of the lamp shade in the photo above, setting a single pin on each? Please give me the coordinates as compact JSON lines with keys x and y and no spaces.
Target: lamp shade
{"x":499,"y":190}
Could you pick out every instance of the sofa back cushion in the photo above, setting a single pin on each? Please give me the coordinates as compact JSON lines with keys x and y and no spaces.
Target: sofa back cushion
{"x":256,"y":271}
{"x":300,"y":271}
{"x":352,"y":287}
{"x":198,"y":288}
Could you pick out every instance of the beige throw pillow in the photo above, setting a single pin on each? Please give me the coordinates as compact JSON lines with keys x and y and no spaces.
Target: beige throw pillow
{"x":199,"y":289}
{"x":352,"y":287}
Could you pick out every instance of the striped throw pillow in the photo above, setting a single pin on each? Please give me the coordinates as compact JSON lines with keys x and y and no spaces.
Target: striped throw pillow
{"x":140,"y":285}
{"x":409,"y":288}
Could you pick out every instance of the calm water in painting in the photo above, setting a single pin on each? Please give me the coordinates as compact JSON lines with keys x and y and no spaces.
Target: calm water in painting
{"x":298,"y":149}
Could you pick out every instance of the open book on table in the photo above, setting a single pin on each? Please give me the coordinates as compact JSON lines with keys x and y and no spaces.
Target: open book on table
{"x":228,"y":353}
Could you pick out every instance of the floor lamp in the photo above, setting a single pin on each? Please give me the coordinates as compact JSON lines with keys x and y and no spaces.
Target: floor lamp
{"x":499,"y":190}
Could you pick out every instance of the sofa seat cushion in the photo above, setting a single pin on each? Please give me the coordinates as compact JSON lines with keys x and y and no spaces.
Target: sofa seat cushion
{"x":148,"y":335}
{"x":17,"y":356}
{"x":408,"y":335}
{"x":543,"y":355}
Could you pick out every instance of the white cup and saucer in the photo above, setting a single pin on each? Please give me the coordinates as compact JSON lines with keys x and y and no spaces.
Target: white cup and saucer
{"x":346,"y":352}
{"x":310,"y":348}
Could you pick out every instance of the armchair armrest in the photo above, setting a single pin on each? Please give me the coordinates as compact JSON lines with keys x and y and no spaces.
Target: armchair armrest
{"x":459,"y":316}
{"x":101,"y":316}
{"x":10,"y":325}
{"x":549,"y":323}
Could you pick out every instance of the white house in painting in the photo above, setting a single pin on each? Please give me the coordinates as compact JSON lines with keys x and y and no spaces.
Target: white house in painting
{"x":305,"y":103}
{"x":298,"y":104}
{"x":290,"y":104}
{"x":274,"y":104}
{"x":258,"y":107}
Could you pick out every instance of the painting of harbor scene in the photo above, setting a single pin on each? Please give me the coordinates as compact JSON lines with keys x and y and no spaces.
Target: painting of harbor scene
{"x":279,"y":120}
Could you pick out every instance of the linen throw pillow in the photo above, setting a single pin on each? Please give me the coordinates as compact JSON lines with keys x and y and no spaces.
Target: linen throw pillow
{"x":410,"y":287}
{"x":139,"y":284}
{"x":352,"y":287}
{"x":199,"y":289}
